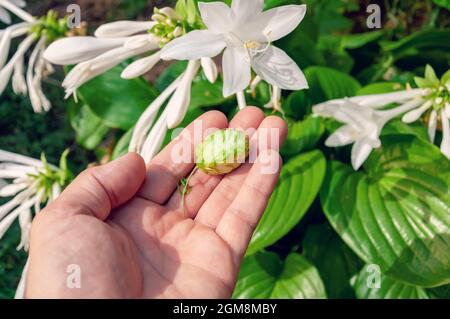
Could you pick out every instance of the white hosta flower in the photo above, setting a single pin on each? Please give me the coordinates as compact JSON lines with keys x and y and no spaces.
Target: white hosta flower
{"x":362,"y":125}
{"x":88,"y":70}
{"x":28,"y":79}
{"x":33,"y":183}
{"x":245,"y":33}
{"x":113,"y":44}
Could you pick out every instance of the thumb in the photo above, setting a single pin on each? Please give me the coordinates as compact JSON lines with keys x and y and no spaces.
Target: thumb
{"x":100,"y":189}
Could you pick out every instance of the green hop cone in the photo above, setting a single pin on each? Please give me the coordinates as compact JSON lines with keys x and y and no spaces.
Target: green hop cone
{"x":222,"y":152}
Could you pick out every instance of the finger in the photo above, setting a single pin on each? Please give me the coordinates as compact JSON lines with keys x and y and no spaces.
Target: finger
{"x":202,"y":184}
{"x":98,"y":190}
{"x":176,"y":160}
{"x":241,"y":218}
{"x":270,"y":134}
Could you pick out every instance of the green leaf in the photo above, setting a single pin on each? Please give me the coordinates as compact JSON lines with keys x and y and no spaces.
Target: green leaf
{"x":442,"y":292}
{"x":336,"y":263}
{"x":327,"y":84}
{"x":206,"y":94}
{"x":398,"y":127}
{"x":430,"y":75}
{"x":170,"y":74}
{"x":443,"y":3}
{"x":388,"y":288}
{"x":380,"y":88}
{"x":303,"y":135}
{"x":297,"y":105}
{"x":396,"y":212}
{"x":89,"y":128}
{"x":299,"y":183}
{"x":265,"y":276}
{"x":446,"y":78}
{"x":269,"y":4}
{"x":301,"y":48}
{"x":191,"y":11}
{"x":429,"y":39}
{"x":117,"y":102}
{"x":121,"y":147}
{"x":357,"y":40}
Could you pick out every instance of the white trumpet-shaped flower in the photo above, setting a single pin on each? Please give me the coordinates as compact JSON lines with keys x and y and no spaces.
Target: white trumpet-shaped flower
{"x":27,"y":79}
{"x":362,"y":124}
{"x":32,"y":184}
{"x":113,"y":44}
{"x":365,"y":116}
{"x":245,"y":33}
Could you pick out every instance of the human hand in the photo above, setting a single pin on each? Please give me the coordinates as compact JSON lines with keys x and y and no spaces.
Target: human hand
{"x":124,"y":226}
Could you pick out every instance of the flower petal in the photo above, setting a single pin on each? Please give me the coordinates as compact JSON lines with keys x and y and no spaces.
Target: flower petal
{"x":245,"y":10}
{"x":432,"y":125}
{"x":283,"y":20}
{"x":194,"y":45}
{"x":6,"y":72}
{"x":414,"y":115}
{"x":216,"y":16}
{"x":155,"y":139}
{"x":6,"y":156}
{"x":5,"y":42}
{"x":277,"y":68}
{"x":4,"y":16}
{"x":140,"y":40}
{"x":445,"y":145}
{"x":147,"y":118}
{"x":210,"y":69}
{"x":12,"y":189}
{"x":341,"y":137}
{"x":179,"y":103}
{"x":78,"y":49}
{"x":122,"y":28}
{"x":380,"y":100}
{"x":236,"y":71}
{"x":141,"y":66}
{"x":22,"y":14}
{"x":360,"y":152}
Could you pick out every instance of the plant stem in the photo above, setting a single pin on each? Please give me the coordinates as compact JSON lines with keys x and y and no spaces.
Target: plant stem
{"x":183,"y":193}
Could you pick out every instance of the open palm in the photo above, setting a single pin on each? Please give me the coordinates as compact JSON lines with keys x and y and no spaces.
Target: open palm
{"x":123,"y":230}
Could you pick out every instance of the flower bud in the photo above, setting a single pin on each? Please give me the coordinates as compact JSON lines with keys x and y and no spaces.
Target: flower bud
{"x":222,"y":152}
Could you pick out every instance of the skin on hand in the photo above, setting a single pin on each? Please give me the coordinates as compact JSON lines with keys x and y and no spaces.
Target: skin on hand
{"x":123,"y":227}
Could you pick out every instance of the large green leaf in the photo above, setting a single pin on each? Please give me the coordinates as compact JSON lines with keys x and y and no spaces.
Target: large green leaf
{"x":118,"y":102}
{"x":89,"y":128}
{"x":336,"y":263}
{"x":327,"y":84}
{"x":264,"y":275}
{"x":396,"y":212}
{"x":298,"y":186}
{"x":303,"y":135}
{"x":388,"y":288}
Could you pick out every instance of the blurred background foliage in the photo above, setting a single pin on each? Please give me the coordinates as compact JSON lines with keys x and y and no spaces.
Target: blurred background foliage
{"x":340,"y":56}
